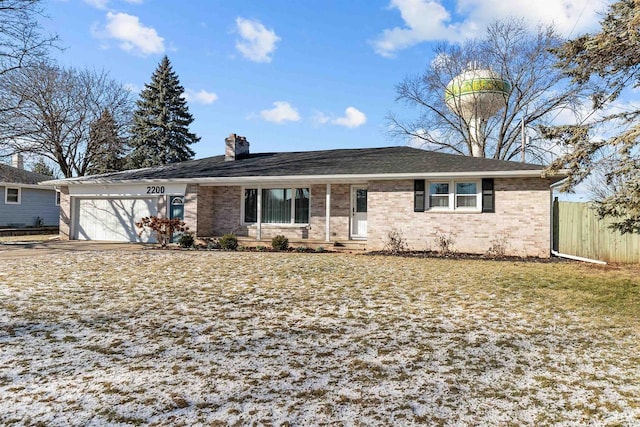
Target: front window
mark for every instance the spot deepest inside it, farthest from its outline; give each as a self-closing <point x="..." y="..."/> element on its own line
<point x="439" y="195"/>
<point x="251" y="205"/>
<point x="455" y="195"/>
<point x="278" y="205"/>
<point x="12" y="196"/>
<point x="57" y="197"/>
<point x="302" y="205"/>
<point x="466" y="195"/>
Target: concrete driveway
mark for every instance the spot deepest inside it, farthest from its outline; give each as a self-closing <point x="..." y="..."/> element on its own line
<point x="30" y="249"/>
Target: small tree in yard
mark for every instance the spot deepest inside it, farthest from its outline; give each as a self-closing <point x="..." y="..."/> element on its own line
<point x="162" y="227"/>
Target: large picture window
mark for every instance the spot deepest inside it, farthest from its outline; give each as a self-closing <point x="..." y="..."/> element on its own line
<point x="278" y="205"/>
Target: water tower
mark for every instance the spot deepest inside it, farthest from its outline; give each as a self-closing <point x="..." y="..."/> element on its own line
<point x="475" y="95"/>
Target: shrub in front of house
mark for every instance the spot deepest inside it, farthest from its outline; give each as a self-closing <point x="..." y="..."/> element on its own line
<point x="280" y="243"/>
<point x="229" y="242"/>
<point x="395" y="242"/>
<point x="163" y="228"/>
<point x="186" y="240"/>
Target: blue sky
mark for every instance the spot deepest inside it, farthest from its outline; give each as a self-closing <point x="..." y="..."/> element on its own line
<point x="289" y="75"/>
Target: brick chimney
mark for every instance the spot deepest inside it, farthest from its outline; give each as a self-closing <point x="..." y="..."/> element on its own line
<point x="235" y="147"/>
<point x="17" y="161"/>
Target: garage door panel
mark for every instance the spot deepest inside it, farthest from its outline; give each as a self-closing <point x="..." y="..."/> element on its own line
<point x="113" y="219"/>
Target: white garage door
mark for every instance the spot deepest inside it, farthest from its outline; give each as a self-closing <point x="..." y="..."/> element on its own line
<point x="113" y="219"/>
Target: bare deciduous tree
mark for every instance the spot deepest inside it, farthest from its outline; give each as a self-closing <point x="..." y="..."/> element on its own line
<point x="56" y="109"/>
<point x="21" y="40"/>
<point x="538" y="93"/>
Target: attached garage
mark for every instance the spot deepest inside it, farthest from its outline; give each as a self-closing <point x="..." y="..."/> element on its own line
<point x="112" y="219"/>
<point x="110" y="213"/>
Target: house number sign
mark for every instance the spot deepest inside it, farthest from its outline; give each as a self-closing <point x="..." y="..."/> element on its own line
<point x="123" y="190"/>
<point x="155" y="189"/>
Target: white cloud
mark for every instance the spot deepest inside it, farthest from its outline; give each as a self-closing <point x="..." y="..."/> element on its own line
<point x="258" y="43"/>
<point x="429" y="20"/>
<point x="424" y="20"/>
<point x="281" y="112"/>
<point x="102" y="4"/>
<point x="201" y="97"/>
<point x="133" y="36"/>
<point x="98" y="4"/>
<point x="321" y="118"/>
<point x="353" y="118"/>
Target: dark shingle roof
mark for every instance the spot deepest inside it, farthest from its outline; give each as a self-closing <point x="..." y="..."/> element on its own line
<point x="389" y="160"/>
<point x="9" y="174"/>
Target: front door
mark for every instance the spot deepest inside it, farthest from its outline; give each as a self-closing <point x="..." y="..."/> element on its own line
<point x="358" y="212"/>
<point x="176" y="210"/>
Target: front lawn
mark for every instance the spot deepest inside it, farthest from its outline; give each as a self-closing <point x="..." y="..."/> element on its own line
<point x="218" y="338"/>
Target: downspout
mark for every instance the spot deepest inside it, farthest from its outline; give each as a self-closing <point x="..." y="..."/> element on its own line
<point x="327" y="215"/>
<point x="556" y="253"/>
<point x="259" y="215"/>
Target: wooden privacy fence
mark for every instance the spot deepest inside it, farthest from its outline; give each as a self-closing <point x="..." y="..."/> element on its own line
<point x="578" y="231"/>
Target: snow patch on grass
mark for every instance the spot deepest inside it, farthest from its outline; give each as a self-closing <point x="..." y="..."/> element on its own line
<point x="262" y="338"/>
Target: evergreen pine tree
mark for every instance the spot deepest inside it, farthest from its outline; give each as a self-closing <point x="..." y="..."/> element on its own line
<point x="160" y="132"/>
<point x="108" y="147"/>
<point x="42" y="168"/>
<point x="611" y="60"/>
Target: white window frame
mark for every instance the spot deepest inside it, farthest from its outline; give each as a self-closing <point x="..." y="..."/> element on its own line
<point x="58" y="197"/>
<point x="6" y="195"/>
<point x="429" y="194"/>
<point x="453" y="196"/>
<point x="291" y="223"/>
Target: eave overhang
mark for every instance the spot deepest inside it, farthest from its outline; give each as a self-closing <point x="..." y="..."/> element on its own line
<point x="313" y="179"/>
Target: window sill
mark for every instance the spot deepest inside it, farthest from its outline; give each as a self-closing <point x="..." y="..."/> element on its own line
<point x="454" y="211"/>
<point x="270" y="225"/>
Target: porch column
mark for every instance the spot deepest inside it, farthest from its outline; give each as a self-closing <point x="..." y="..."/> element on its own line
<point x="259" y="213"/>
<point x="327" y="215"/>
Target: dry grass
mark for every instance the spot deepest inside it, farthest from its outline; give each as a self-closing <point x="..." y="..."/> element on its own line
<point x="265" y="338"/>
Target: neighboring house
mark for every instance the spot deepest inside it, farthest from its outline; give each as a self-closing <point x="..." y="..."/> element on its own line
<point x="331" y="196"/>
<point x="24" y="202"/>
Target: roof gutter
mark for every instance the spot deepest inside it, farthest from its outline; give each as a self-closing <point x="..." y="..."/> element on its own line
<point x="36" y="186"/>
<point x="338" y="178"/>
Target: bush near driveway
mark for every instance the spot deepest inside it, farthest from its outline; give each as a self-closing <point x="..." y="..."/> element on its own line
<point x="273" y="338"/>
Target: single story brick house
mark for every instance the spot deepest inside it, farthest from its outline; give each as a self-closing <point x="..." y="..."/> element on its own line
<point x="25" y="202"/>
<point x="330" y="196"/>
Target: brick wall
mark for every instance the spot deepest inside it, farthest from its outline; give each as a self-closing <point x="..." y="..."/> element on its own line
<point x="191" y="208"/>
<point x="219" y="211"/>
<point x="521" y="221"/>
